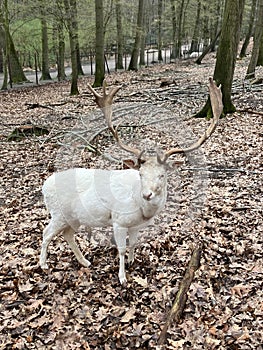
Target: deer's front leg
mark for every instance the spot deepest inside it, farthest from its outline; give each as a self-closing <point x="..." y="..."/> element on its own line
<point x="120" y="234"/>
<point x="133" y="234"/>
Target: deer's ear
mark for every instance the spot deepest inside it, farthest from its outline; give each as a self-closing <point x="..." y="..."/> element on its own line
<point x="174" y="164"/>
<point x="129" y="164"/>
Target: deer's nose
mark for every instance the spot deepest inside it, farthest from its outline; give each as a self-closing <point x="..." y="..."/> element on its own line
<point x="147" y="196"/>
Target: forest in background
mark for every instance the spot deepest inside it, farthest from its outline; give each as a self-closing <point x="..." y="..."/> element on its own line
<point x="70" y="306"/>
<point x="44" y="35"/>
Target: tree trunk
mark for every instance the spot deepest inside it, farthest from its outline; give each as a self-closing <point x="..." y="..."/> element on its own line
<point x="250" y="29"/>
<point x="5" y="64"/>
<point x="257" y="42"/>
<point x="216" y="25"/>
<point x="136" y="48"/>
<point x="208" y="49"/>
<point x="227" y="52"/>
<point x="119" y="63"/>
<point x="178" y="43"/>
<point x="2" y="47"/>
<point x="260" y="54"/>
<point x="174" y="28"/>
<point x="100" y="65"/>
<point x="69" y="7"/>
<point x="45" y="54"/>
<point x="1" y="60"/>
<point x="15" y="69"/>
<point x="195" y="40"/>
<point x="11" y="61"/>
<point x="76" y="33"/>
<point x="160" y="13"/>
<point x="206" y="34"/>
<point x="61" y="52"/>
<point x="142" y="46"/>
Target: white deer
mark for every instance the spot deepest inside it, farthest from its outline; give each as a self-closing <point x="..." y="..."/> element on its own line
<point x="125" y="199"/>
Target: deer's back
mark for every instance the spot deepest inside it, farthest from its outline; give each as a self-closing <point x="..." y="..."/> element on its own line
<point x="93" y="197"/>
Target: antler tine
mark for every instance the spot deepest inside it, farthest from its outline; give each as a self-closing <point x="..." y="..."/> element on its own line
<point x="217" y="108"/>
<point x="104" y="101"/>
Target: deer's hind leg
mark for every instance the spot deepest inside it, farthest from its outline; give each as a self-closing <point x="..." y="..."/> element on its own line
<point x="49" y="233"/>
<point x="68" y="234"/>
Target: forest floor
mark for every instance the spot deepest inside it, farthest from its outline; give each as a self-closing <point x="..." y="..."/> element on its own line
<point x="214" y="197"/>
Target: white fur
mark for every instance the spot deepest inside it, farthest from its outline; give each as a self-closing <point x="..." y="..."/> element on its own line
<point x="124" y="199"/>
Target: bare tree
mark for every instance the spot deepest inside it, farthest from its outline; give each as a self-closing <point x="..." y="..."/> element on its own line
<point x="160" y="12"/>
<point x="45" y="53"/>
<point x="257" y="41"/>
<point x="100" y="66"/>
<point x="118" y="8"/>
<point x="260" y="53"/>
<point x="136" y="47"/>
<point x="71" y="18"/>
<point x="250" y="29"/>
<point x="11" y="61"/>
<point x="226" y="54"/>
<point x="195" y="38"/>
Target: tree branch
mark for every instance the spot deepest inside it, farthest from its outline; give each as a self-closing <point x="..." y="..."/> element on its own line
<point x="181" y="297"/>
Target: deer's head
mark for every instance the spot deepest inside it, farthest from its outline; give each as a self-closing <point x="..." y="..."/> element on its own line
<point x="152" y="169"/>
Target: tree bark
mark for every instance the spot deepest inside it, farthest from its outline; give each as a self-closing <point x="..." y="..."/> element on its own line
<point x="76" y="31"/>
<point x="250" y="29"/>
<point x="119" y="63"/>
<point x="260" y="54"/>
<point x="174" y="27"/>
<point x="100" y="64"/>
<point x="11" y="61"/>
<point x="205" y="34"/>
<point x="45" y="54"/>
<point x="257" y="42"/>
<point x="61" y="52"/>
<point x="142" y="45"/>
<point x="136" y="47"/>
<point x="216" y="25"/>
<point x="226" y="55"/>
<point x="195" y="39"/>
<point x="208" y="49"/>
<point x="178" y="42"/>
<point x="69" y="7"/>
<point x="160" y="13"/>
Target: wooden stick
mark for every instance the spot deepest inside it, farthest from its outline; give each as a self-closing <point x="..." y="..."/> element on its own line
<point x="181" y="297"/>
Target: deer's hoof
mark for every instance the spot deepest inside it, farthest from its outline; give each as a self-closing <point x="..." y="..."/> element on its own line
<point x="44" y="266"/>
<point x="122" y="280"/>
<point x="86" y="263"/>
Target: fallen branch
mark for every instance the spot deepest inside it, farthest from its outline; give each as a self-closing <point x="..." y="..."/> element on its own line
<point x="27" y="130"/>
<point x="37" y="105"/>
<point x="181" y="297"/>
<point x="250" y="111"/>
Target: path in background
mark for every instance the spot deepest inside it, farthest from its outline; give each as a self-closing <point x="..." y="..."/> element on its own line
<point x="151" y="57"/>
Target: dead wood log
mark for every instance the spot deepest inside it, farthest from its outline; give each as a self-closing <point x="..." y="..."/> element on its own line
<point x="26" y="130"/>
<point x="39" y="105"/>
<point x="250" y="111"/>
<point x="181" y="297"/>
<point x="36" y="105"/>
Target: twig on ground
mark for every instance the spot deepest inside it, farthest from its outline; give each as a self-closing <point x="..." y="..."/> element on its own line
<point x="181" y="297"/>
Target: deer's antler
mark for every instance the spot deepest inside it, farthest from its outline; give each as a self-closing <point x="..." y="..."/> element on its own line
<point x="105" y="101"/>
<point x="217" y="108"/>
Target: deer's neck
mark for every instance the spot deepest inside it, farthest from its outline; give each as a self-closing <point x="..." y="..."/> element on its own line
<point x="151" y="208"/>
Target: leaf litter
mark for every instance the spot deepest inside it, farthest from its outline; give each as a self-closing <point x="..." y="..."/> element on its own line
<point x="71" y="307"/>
